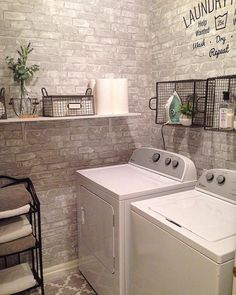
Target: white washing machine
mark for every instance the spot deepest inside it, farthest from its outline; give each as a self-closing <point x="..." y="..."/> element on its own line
<point x="104" y="201"/>
<point x="184" y="244"/>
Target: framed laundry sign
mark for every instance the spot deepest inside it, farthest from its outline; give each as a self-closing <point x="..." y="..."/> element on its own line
<point x="3" y="112"/>
<point x="212" y="23"/>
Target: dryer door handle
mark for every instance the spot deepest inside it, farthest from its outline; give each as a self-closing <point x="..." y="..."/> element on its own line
<point x="82" y="215"/>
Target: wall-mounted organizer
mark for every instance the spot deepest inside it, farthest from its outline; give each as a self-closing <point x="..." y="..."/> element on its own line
<point x="3" y="112"/>
<point x="21" y="265"/>
<point x="67" y="105"/>
<point x="217" y="88"/>
<point x="192" y="91"/>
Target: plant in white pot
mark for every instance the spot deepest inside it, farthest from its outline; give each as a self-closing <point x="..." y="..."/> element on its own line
<point x="23" y="106"/>
<point x="186" y="113"/>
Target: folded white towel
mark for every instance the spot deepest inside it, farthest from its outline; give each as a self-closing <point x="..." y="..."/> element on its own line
<point x="14" y="228"/>
<point x="234" y="278"/>
<point x="15" y="212"/>
<point x="16" y="279"/>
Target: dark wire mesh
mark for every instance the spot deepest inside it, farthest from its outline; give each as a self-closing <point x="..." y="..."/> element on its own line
<point x="193" y="91"/>
<point x="215" y="88"/>
<point x="3" y="113"/>
<point x="67" y="105"/>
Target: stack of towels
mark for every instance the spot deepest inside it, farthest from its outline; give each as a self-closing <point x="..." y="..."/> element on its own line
<point x="15" y="236"/>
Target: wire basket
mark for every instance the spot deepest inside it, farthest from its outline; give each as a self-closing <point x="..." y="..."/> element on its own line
<point x="215" y="88"/>
<point x="193" y="91"/>
<point x="3" y="112"/>
<point x="67" y="105"/>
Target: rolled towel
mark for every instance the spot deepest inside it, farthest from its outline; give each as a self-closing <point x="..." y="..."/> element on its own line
<point x="14" y="196"/>
<point x="15" y="212"/>
<point x="16" y="279"/>
<point x="14" y="228"/>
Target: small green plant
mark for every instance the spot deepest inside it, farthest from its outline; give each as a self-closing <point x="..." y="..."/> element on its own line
<point x="186" y="109"/>
<point x="22" y="72"/>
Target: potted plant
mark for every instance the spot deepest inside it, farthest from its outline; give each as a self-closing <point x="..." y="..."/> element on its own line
<point x="23" y="106"/>
<point x="186" y="112"/>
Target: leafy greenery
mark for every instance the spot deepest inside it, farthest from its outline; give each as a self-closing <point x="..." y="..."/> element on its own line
<point x="186" y="109"/>
<point x="22" y="72"/>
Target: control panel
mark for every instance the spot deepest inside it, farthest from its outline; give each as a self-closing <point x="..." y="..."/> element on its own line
<point x="171" y="164"/>
<point x="220" y="182"/>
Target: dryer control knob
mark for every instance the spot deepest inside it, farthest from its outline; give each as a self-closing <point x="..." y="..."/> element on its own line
<point x="167" y="161"/>
<point x="156" y="157"/>
<point x="175" y="164"/>
<point x="209" y="177"/>
<point x="221" y="179"/>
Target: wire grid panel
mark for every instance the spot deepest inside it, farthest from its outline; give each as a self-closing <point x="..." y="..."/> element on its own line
<point x="193" y="91"/>
<point x="3" y="113"/>
<point x="66" y="105"/>
<point x="216" y="87"/>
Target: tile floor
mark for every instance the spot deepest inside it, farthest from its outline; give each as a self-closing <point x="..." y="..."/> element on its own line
<point x="69" y="283"/>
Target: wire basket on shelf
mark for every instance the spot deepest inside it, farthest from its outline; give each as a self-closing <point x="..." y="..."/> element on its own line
<point x="67" y="105"/>
<point x="3" y="112"/>
<point x="189" y="91"/>
<point x="215" y="92"/>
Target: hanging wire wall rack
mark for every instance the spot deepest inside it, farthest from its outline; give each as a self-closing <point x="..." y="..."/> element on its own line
<point x="192" y="91"/>
<point x="215" y="92"/>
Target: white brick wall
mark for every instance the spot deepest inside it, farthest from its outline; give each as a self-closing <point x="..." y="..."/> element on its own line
<point x="74" y="41"/>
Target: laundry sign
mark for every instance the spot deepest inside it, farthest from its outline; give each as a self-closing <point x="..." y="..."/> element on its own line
<point x="211" y="21"/>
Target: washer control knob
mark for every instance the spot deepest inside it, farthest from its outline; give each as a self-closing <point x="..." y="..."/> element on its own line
<point x="209" y="177"/>
<point x="156" y="157"/>
<point x="167" y="161"/>
<point x="221" y="179"/>
<point x="175" y="164"/>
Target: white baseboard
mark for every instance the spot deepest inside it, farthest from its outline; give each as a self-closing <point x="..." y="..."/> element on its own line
<point x="53" y="270"/>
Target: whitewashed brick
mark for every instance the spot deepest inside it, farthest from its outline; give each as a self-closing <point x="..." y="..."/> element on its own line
<point x="14" y="15"/>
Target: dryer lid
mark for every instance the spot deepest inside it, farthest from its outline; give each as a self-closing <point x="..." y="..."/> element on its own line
<point x="205" y="216"/>
<point x="124" y="180"/>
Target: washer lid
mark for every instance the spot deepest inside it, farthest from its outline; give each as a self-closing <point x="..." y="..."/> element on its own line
<point x="205" y="216"/>
<point x="128" y="179"/>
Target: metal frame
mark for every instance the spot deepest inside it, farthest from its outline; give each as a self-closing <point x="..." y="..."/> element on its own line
<point x="35" y="219"/>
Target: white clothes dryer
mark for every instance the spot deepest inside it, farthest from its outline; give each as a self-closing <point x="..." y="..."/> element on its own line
<point x="104" y="199"/>
<point x="185" y="243"/>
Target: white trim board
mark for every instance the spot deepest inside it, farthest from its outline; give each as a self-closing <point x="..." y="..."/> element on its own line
<point x="43" y="119"/>
<point x="59" y="268"/>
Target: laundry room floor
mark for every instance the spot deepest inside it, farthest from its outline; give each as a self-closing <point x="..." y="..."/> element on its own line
<point x="69" y="283"/>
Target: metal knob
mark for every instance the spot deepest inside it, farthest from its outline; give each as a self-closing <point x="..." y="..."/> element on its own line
<point x="167" y="161"/>
<point x="221" y="179"/>
<point x="156" y="157"/>
<point x="175" y="164"/>
<point x="209" y="177"/>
